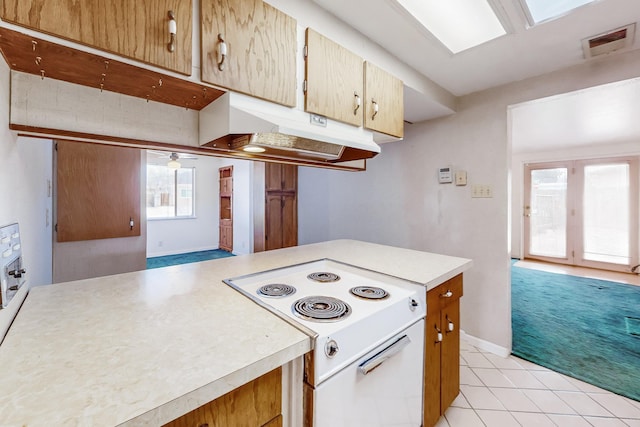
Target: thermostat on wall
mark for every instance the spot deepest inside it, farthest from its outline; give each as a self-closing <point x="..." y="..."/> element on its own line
<point x="445" y="175"/>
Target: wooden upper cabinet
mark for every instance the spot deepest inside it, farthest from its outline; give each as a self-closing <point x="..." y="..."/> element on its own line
<point x="384" y="93"/>
<point x="260" y="43"/>
<point x="137" y="29"/>
<point x="334" y="80"/>
<point x="97" y="191"/>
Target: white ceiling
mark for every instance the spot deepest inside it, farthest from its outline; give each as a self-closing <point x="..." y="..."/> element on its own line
<point x="524" y="52"/>
<point x="599" y="115"/>
<point x="581" y="118"/>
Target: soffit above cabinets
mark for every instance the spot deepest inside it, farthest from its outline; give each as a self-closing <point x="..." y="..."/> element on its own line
<point x="51" y="60"/>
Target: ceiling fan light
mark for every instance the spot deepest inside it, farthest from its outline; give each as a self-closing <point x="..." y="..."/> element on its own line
<point x="173" y="164"/>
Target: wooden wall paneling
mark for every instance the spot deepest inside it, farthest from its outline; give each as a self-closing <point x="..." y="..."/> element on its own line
<point x="261" y="48"/>
<point x="387" y="91"/>
<point x="75" y="66"/>
<point x="98" y="191"/>
<point x="334" y="75"/>
<point x="137" y="29"/>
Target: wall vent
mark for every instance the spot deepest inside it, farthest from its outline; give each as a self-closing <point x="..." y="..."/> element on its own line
<point x="611" y="41"/>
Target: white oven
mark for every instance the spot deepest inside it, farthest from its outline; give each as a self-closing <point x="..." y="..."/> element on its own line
<point x="366" y="368"/>
<point x="381" y="388"/>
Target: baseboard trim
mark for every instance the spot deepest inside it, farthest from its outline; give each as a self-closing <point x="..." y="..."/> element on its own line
<point x="485" y="345"/>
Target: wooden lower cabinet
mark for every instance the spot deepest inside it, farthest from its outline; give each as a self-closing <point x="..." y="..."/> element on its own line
<point x="255" y="404"/>
<point x="442" y="349"/>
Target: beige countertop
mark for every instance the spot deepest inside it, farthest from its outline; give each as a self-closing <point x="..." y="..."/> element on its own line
<point x="143" y="348"/>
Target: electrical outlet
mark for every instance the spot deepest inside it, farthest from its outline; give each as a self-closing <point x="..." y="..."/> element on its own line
<point x="481" y="191"/>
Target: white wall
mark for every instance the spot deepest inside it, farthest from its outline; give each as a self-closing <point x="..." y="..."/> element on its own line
<point x="176" y="236"/>
<point x="398" y="201"/>
<point x="25" y="173"/>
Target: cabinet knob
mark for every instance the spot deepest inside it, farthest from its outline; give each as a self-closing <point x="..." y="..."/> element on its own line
<point x="222" y="51"/>
<point x="439" y="336"/>
<point x="375" y="109"/>
<point x="172" y="31"/>
<point x="356" y="99"/>
<point x="447" y="294"/>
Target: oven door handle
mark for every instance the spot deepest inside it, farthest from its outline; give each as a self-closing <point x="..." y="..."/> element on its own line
<point x="370" y="364"/>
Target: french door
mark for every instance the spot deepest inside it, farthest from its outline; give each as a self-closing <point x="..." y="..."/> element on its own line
<point x="583" y="213"/>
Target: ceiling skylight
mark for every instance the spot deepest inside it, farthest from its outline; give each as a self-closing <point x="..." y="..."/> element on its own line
<point x="458" y="24"/>
<point x="545" y="10"/>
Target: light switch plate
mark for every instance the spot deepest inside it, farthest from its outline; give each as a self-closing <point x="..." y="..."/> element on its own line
<point x="461" y="177"/>
<point x="481" y="191"/>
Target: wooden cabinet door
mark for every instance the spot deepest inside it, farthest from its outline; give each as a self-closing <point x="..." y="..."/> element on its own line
<point x="226" y="186"/>
<point x="281" y="228"/>
<point x="97" y="191"/>
<point x="226" y="236"/>
<point x="334" y="80"/>
<point x="450" y="365"/>
<point x="260" y="48"/>
<point x="273" y="222"/>
<point x="281" y="177"/>
<point x="137" y="29"/>
<point x="257" y="403"/>
<point x="385" y="91"/>
<point x="432" y="360"/>
<point x="289" y="220"/>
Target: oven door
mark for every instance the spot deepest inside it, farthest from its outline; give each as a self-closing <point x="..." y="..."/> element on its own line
<point x="382" y="388"/>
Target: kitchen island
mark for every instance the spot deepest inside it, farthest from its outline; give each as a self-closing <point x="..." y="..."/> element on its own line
<point x="145" y="347"/>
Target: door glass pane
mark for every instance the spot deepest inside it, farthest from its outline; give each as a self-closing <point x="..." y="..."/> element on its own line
<point x="548" y="221"/>
<point x="606" y="213"/>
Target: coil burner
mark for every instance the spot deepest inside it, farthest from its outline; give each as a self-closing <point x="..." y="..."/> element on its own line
<point x="276" y="290"/>
<point x="321" y="309"/>
<point x="323" y="277"/>
<point x="369" y="292"/>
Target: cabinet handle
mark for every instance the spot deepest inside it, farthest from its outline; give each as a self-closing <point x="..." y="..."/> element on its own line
<point x="375" y="109"/>
<point x="439" y="336"/>
<point x="222" y="50"/>
<point x="357" y="102"/>
<point x="447" y="294"/>
<point x="172" y="31"/>
<point x="450" y="325"/>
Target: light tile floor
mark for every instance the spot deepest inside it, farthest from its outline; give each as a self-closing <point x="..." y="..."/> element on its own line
<point x="504" y="392"/>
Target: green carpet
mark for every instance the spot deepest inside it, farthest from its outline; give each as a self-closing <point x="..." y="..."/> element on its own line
<point x="586" y="328"/>
<point x="164" y="261"/>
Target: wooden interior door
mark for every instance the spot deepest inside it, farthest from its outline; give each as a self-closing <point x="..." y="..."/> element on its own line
<point x="98" y="191"/>
<point x="334" y="80"/>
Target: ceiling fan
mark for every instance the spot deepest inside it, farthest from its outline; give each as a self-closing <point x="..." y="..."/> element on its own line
<point x="174" y="157"/>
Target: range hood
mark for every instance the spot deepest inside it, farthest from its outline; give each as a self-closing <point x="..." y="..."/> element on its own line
<point x="242" y="126"/>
